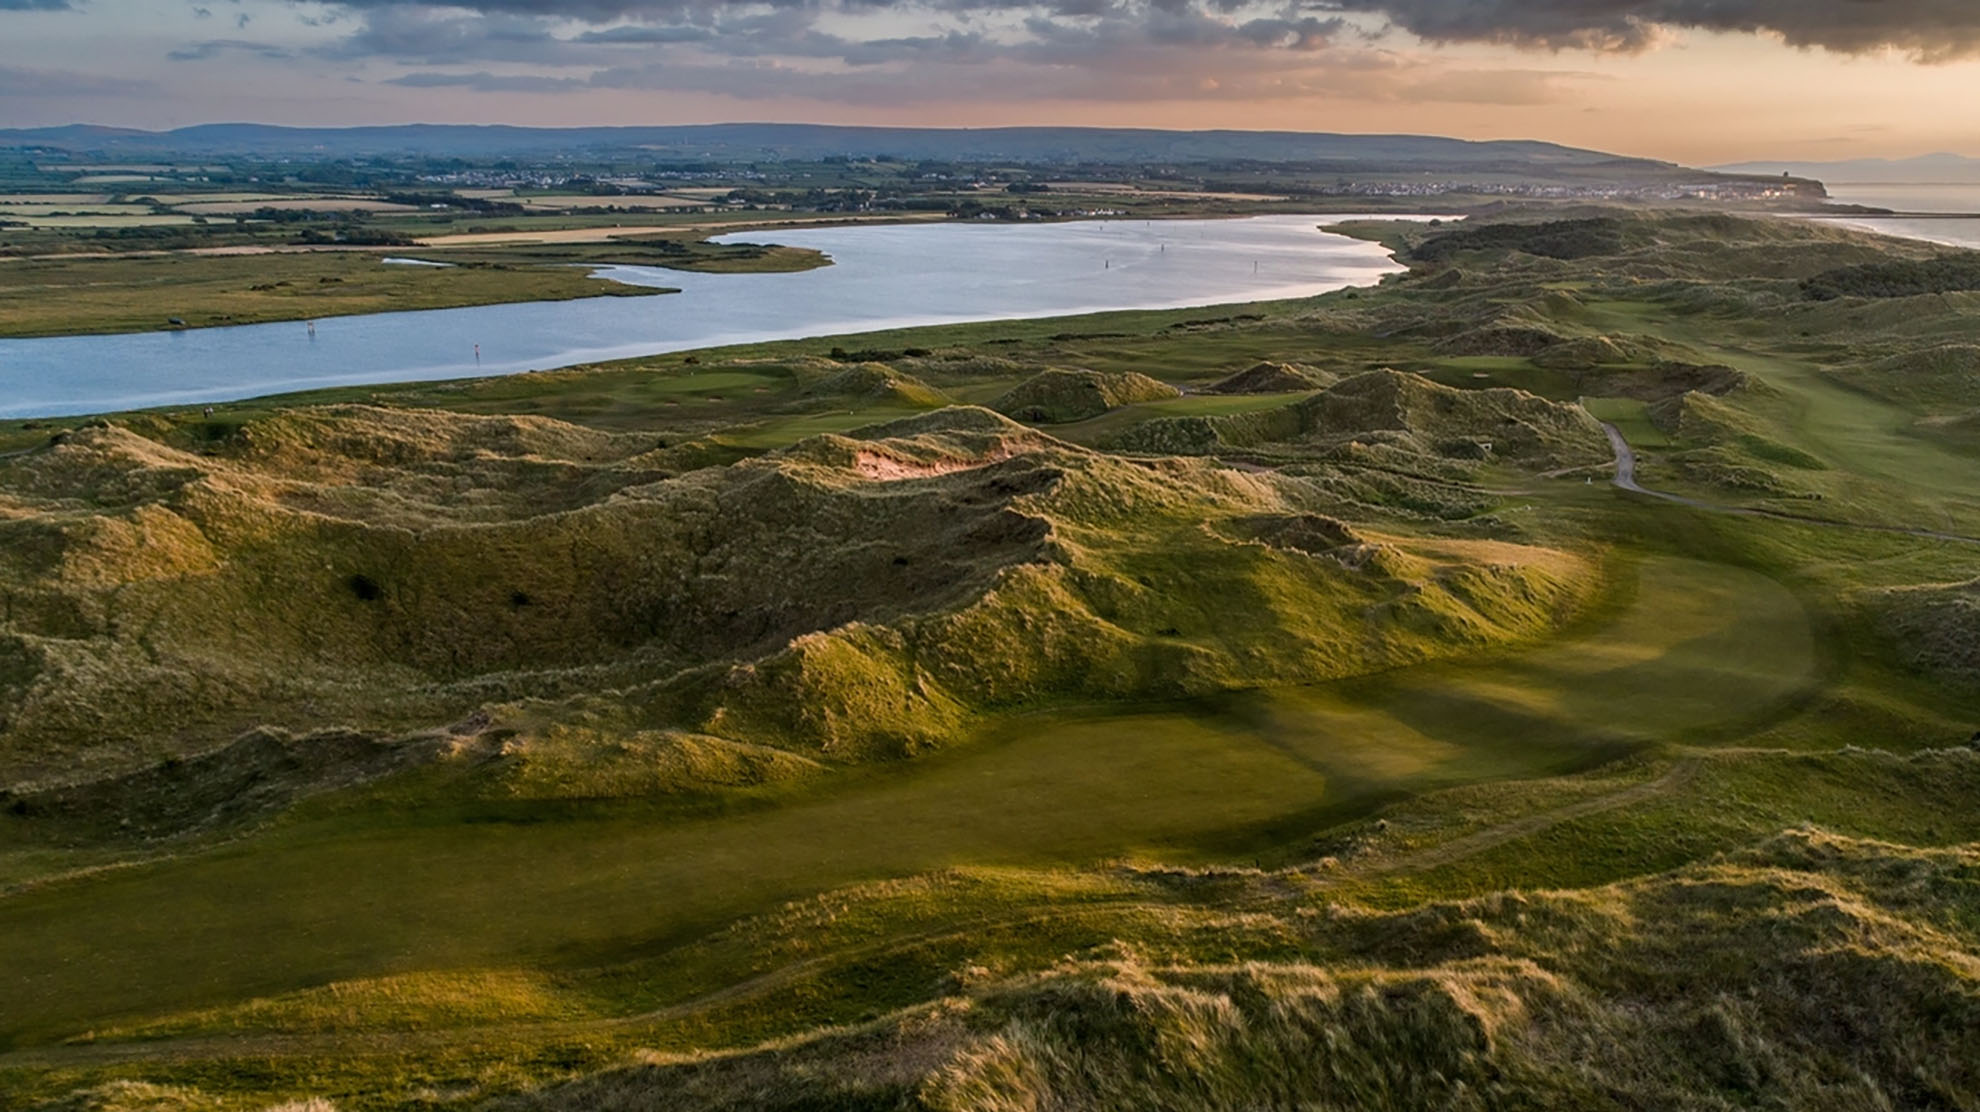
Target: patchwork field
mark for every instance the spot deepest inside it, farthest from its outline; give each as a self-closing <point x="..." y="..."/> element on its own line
<point x="295" y="204"/>
<point x="565" y="201"/>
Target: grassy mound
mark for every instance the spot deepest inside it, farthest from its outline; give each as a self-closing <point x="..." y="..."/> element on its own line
<point x="1511" y="336"/>
<point x="1666" y="379"/>
<point x="1810" y="971"/>
<point x="1613" y="351"/>
<point x="1933" y="630"/>
<point x="1655" y="246"/>
<point x="223" y="588"/>
<point x="1202" y="435"/>
<point x="1061" y="395"/>
<point x="1583" y="353"/>
<point x="879" y="382"/>
<point x="1908" y="278"/>
<point x="1390" y="414"/>
<point x="1553" y="239"/>
<point x="1314" y="534"/>
<point x="1503" y="424"/>
<point x="1131" y="599"/>
<point x="1271" y="378"/>
<point x="851" y="597"/>
<point x="260" y="772"/>
<point x="1937" y="378"/>
<point x="1699" y="418"/>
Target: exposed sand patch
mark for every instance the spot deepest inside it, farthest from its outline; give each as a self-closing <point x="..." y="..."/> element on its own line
<point x="882" y="467"/>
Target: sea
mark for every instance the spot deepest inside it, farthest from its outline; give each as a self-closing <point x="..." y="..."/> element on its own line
<point x="1940" y="212"/>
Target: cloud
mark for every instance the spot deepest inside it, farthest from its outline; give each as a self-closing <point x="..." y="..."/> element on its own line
<point x="586" y="11"/>
<point x="930" y="73"/>
<point x="890" y="52"/>
<point x="950" y="51"/>
<point x="1926" y="30"/>
<point x="213" y="48"/>
<point x="490" y="82"/>
<point x="435" y="36"/>
<point x="36" y="6"/>
<point x="641" y="35"/>
<point x="853" y="34"/>
<point x="25" y="83"/>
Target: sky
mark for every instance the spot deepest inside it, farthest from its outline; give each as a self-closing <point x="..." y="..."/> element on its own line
<point x="1694" y="81"/>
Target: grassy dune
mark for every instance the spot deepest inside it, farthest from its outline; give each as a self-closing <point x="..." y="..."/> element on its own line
<point x="770" y="728"/>
<point x="1197" y="782"/>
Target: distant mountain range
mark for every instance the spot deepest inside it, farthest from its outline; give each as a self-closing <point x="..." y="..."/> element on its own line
<point x="1951" y="169"/>
<point x="745" y="142"/>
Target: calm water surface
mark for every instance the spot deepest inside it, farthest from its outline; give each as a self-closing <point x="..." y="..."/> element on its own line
<point x="1918" y="197"/>
<point x="884" y="277"/>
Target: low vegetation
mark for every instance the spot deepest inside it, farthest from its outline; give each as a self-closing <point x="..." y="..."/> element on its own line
<point x="1150" y="710"/>
<point x="70" y="294"/>
<point x="64" y="296"/>
<point x="1952" y="274"/>
<point x="1058" y="396"/>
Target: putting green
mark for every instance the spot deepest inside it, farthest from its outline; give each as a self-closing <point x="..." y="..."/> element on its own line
<point x="1700" y="648"/>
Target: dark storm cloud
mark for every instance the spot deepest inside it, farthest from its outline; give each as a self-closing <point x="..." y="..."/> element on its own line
<point x="1929" y="30"/>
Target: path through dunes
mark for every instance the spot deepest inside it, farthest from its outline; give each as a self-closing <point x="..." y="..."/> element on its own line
<point x="1625" y="479"/>
<point x="374" y="891"/>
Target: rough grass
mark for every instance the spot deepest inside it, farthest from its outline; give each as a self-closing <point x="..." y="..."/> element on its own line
<point x="1058" y="396"/>
<point x="1190" y="783"/>
<point x="1391" y="419"/>
<point x="1810" y="970"/>
<point x="672" y="252"/>
<point x="67" y="296"/>
<point x="1271" y="378"/>
<point x="941" y="567"/>
<point x="1586" y="824"/>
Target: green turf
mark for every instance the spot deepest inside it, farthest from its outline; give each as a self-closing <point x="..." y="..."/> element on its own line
<point x="1744" y="748"/>
<point x="1226" y="778"/>
<point x="1632" y="417"/>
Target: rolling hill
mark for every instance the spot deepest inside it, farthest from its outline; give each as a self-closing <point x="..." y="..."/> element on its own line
<point x="742" y="142"/>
